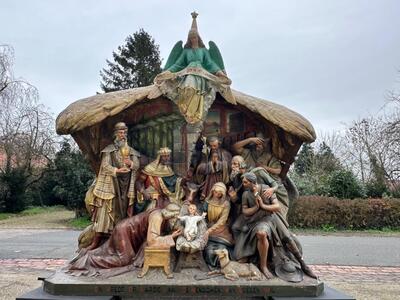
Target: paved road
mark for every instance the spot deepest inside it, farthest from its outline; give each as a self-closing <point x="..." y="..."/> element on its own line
<point x="37" y="243"/>
<point x="351" y="250"/>
<point x="338" y="250"/>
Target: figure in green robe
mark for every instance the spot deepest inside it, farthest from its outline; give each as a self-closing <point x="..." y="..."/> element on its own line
<point x="192" y="76"/>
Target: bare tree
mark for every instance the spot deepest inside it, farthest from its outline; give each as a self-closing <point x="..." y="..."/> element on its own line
<point x="393" y="122"/>
<point x="337" y="142"/>
<point x="392" y="135"/>
<point x="26" y="128"/>
<point x="374" y="148"/>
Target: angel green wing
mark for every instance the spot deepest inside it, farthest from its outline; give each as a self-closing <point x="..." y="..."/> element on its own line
<point x="216" y="55"/>
<point x="173" y="56"/>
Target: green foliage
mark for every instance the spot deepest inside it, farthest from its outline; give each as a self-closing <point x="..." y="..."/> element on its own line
<point x="395" y="192"/>
<point x="36" y="210"/>
<point x="357" y="214"/>
<point x="80" y="222"/>
<point x="13" y="183"/>
<point x="31" y="211"/>
<point x="313" y="170"/>
<point x="376" y="186"/>
<point x="4" y="216"/>
<point x="328" y="228"/>
<point x="375" y="189"/>
<point x="311" y="184"/>
<point x="67" y="179"/>
<point x="136" y="63"/>
<point x="304" y="162"/>
<point x="326" y="160"/>
<point x="320" y="173"/>
<point x="344" y="185"/>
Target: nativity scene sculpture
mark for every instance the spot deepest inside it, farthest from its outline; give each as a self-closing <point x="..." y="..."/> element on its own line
<point x="216" y="186"/>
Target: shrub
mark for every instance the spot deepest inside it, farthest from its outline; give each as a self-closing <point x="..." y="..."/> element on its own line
<point x="311" y="184"/>
<point x="375" y="189"/>
<point x="13" y="196"/>
<point x="344" y="185"/>
<point x="324" y="212"/>
<point x="67" y="180"/>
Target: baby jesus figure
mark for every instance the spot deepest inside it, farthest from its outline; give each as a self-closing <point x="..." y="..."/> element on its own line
<point x="191" y="229"/>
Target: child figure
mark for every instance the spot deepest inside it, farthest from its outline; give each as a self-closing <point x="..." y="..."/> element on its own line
<point x="191" y="220"/>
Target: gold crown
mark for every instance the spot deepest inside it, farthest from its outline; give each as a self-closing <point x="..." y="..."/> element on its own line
<point x="164" y="151"/>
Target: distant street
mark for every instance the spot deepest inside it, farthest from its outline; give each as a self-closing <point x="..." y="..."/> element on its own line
<point x="351" y="250"/>
<point x="338" y="250"/>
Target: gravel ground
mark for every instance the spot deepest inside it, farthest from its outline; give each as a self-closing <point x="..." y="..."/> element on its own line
<point x="15" y="282"/>
<point x="368" y="291"/>
<point x="52" y="220"/>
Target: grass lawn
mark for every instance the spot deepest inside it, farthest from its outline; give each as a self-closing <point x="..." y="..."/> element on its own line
<point x="35" y="210"/>
<point x="4" y="216"/>
<point x="39" y="217"/>
<point x="80" y="223"/>
<point x="53" y="216"/>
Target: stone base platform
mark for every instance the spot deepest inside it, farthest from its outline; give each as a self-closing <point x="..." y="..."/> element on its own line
<point x="39" y="294"/>
<point x="155" y="285"/>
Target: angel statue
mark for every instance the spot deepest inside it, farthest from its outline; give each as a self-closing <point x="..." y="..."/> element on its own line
<point x="192" y="76"/>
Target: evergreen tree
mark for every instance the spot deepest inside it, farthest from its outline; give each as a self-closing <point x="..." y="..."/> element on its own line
<point x="67" y="179"/>
<point x="304" y="161"/>
<point x="135" y="64"/>
<point x="13" y="187"/>
<point x="313" y="169"/>
<point x="376" y="186"/>
<point x="326" y="160"/>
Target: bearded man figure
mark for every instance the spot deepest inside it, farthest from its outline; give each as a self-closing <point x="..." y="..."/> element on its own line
<point x="215" y="167"/>
<point x="112" y="196"/>
<point x="259" y="155"/>
<point x="158" y="184"/>
<point x="260" y="161"/>
<point x="236" y="189"/>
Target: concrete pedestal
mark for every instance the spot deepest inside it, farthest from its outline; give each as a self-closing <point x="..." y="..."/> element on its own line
<point x="183" y="286"/>
<point x="39" y="294"/>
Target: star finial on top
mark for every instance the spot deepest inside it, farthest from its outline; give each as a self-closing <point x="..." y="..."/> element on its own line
<point x="194" y="14"/>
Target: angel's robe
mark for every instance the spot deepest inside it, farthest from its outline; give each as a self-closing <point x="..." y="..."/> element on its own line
<point x="198" y="57"/>
<point x="193" y="90"/>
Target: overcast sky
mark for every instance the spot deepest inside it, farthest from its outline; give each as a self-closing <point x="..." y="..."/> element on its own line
<point x="331" y="61"/>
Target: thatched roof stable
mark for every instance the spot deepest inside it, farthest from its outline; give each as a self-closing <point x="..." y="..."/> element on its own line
<point x="90" y="120"/>
<point x="93" y="110"/>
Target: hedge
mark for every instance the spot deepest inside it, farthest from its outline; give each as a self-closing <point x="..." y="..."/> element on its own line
<point x="319" y="211"/>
